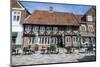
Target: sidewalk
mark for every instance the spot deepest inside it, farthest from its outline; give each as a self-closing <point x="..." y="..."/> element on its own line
<point x="49" y="58"/>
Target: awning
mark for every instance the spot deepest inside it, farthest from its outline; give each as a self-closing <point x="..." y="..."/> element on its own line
<point x="14" y="34"/>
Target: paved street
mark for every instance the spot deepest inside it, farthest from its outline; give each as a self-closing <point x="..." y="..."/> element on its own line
<point x="50" y="58"/>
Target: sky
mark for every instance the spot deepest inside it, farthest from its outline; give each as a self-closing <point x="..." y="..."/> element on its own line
<point x="67" y="8"/>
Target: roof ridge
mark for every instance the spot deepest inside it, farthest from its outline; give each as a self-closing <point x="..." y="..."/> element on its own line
<point x="54" y="12"/>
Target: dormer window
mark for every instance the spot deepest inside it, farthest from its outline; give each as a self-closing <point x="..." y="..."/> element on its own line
<point x="51" y="9"/>
<point x="89" y="18"/>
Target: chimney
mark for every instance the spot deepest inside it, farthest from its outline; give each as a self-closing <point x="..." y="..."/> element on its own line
<point x="51" y="9"/>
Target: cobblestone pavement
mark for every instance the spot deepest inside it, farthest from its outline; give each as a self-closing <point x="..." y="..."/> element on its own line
<point x="47" y="58"/>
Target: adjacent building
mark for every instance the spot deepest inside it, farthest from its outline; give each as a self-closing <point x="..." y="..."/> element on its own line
<point x="88" y="27"/>
<point x="18" y="16"/>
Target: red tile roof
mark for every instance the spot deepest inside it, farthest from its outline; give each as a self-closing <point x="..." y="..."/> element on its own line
<point x="54" y="18"/>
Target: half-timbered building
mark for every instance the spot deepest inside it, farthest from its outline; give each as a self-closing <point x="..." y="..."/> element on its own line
<point x="50" y="24"/>
<point x="88" y="27"/>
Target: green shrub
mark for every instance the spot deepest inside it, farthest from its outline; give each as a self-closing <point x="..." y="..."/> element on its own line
<point x="36" y="47"/>
<point x="52" y="47"/>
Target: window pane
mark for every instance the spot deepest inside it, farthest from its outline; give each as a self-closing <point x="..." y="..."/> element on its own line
<point x="14" y="18"/>
<point x="17" y="18"/>
<point x="35" y="28"/>
<point x="74" y="39"/>
<point x="83" y="28"/>
<point x="55" y="28"/>
<point x="42" y="40"/>
<point x="16" y="15"/>
<point x="48" y="28"/>
<point x="42" y="28"/>
<point x="89" y="18"/>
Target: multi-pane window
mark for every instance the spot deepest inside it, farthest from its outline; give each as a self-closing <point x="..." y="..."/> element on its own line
<point x="45" y="40"/>
<point x="28" y="28"/>
<point x="83" y="28"/>
<point x="68" y="39"/>
<point x="89" y="18"/>
<point x="54" y="40"/>
<point x="48" y="28"/>
<point x="90" y="28"/>
<point x="74" y="39"/>
<point x="42" y="28"/>
<point x="35" y="28"/>
<point x="16" y="15"/>
<point x="68" y="28"/>
<point x="55" y="28"/>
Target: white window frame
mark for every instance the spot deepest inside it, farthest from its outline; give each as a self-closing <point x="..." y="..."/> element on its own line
<point x="68" y="28"/>
<point x="48" y="28"/>
<point x="16" y="13"/>
<point x="74" y="39"/>
<point x="28" y="27"/>
<point x="55" y="28"/>
<point x="42" y="28"/>
<point x="90" y="28"/>
<point x="35" y="28"/>
<point x="83" y="28"/>
<point x="68" y="39"/>
<point x="89" y="18"/>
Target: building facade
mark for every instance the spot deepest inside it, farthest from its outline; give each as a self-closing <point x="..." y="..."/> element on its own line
<point x="51" y="26"/>
<point x="88" y="27"/>
<point x="18" y="16"/>
<point x="57" y="28"/>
